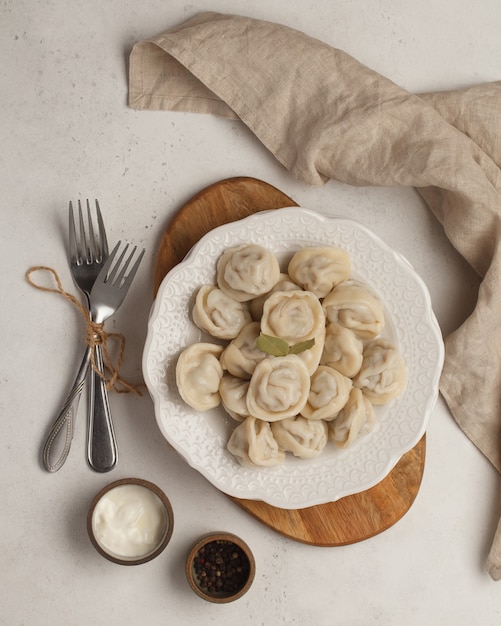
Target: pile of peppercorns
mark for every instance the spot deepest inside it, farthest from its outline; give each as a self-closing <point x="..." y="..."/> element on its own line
<point x="221" y="566"/>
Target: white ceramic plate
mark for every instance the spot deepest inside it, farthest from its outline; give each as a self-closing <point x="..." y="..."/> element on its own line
<point x="201" y="437"/>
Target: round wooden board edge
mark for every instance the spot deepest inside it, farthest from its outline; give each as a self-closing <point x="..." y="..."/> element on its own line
<point x="290" y="522"/>
<point x="172" y="248"/>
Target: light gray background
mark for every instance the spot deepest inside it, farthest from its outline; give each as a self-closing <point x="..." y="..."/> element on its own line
<point x="67" y="133"/>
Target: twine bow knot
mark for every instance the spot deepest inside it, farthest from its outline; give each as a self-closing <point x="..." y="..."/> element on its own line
<point x="94" y="335"/>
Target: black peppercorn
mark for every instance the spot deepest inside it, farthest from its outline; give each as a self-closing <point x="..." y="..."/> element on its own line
<point x="221" y="566"/>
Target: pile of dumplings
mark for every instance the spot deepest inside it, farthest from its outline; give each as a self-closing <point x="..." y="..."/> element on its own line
<point x="294" y="402"/>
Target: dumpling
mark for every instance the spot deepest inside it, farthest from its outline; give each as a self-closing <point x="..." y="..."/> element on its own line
<point x="247" y="271"/>
<point x="284" y="284"/>
<point x="355" y="306"/>
<point x="253" y="443"/>
<point x="218" y="314"/>
<point x="329" y="392"/>
<point x="311" y="356"/>
<point x="342" y="350"/>
<point x="305" y="438"/>
<point x="241" y="355"/>
<point x="233" y="392"/>
<point x="278" y="388"/>
<point x="292" y="315"/>
<point x="319" y="270"/>
<point x="198" y="375"/>
<point x="383" y="374"/>
<point x="356" y="418"/>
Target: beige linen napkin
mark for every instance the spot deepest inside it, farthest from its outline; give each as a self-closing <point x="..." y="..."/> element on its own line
<point x="324" y="115"/>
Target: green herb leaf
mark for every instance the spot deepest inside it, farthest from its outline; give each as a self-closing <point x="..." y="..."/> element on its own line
<point x="302" y="346"/>
<point x="276" y="346"/>
<point x="272" y="345"/>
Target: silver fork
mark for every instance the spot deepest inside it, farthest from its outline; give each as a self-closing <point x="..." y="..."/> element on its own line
<point x="87" y="253"/>
<point x="106" y="296"/>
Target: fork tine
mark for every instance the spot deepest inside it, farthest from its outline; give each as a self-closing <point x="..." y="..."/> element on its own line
<point x="132" y="273"/>
<point x="120" y="277"/>
<point x="112" y="274"/>
<point x="73" y="235"/>
<point x="92" y="243"/>
<point x="102" y="232"/>
<point x="108" y="262"/>
<point x="83" y="252"/>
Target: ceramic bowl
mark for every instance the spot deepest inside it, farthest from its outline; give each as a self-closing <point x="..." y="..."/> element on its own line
<point x="201" y="437"/>
<point x="220" y="567"/>
<point x="130" y="521"/>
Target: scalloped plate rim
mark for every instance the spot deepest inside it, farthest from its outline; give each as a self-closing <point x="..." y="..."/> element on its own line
<point x="281" y="501"/>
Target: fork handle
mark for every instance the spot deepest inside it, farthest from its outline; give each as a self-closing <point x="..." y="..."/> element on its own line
<point x="61" y="432"/>
<point x="102" y="451"/>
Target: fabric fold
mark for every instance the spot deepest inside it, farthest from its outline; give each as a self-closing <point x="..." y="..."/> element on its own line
<point x="324" y="115"/>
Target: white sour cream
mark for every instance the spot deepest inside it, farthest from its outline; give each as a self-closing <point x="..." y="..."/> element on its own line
<point x="129" y="521"/>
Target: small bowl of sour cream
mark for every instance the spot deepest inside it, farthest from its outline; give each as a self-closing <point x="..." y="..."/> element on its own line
<point x="130" y="521"/>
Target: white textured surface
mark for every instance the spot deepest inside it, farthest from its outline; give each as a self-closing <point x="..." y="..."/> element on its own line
<point x="66" y="133"/>
<point x="410" y="325"/>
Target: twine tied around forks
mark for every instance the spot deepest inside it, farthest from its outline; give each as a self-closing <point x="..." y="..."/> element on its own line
<point x="94" y="335"/>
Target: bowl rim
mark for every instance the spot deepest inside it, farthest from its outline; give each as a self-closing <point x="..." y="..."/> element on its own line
<point x="169" y="514"/>
<point x="253" y="484"/>
<point x="219" y="597"/>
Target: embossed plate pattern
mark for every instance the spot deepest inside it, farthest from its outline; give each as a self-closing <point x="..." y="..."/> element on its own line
<point x="201" y="437"/>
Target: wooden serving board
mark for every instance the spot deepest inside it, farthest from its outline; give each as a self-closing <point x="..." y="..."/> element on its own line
<point x="350" y="519"/>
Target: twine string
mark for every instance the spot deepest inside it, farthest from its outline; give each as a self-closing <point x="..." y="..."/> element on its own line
<point x="94" y="335"/>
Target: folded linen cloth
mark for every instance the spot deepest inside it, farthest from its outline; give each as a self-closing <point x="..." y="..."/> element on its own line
<point x="324" y="115"/>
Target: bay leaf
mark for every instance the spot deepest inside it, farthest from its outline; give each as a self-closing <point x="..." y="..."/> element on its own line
<point x="297" y="348"/>
<point x="272" y="345"/>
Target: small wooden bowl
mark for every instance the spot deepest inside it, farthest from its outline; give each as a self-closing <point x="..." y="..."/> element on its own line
<point x="224" y="553"/>
<point x="155" y="497"/>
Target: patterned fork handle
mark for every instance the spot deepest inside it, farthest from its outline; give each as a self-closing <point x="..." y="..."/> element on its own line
<point x="58" y="443"/>
<point x="102" y="452"/>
